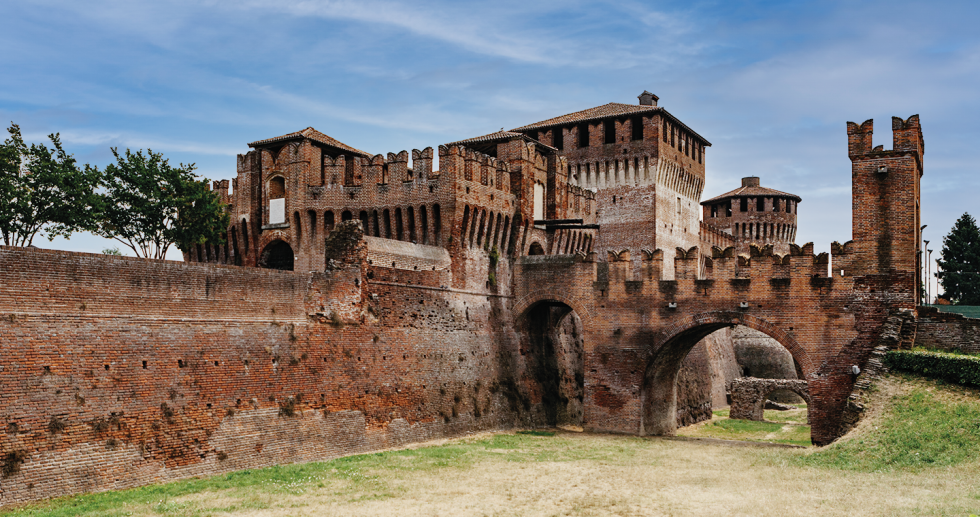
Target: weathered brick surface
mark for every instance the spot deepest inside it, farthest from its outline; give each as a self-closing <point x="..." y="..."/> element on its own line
<point x="159" y="370"/>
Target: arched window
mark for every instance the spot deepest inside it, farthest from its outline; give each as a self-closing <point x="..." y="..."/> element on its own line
<point x="374" y="223"/>
<point x="245" y="241"/>
<point x="424" y="222"/>
<point x="299" y="227"/>
<point x="312" y="215"/>
<point x="410" y="215"/>
<point x="387" y="218"/>
<point x="466" y="221"/>
<point x="399" y="229"/>
<point x="346" y="216"/>
<point x="328" y="221"/>
<point x="437" y="225"/>
<point x="365" y="222"/>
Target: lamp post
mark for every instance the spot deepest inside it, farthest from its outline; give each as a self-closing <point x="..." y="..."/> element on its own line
<point x="928" y="269"/>
<point x="924" y="266"/>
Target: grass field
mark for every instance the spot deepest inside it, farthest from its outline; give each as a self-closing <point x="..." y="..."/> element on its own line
<point x="916" y="454"/>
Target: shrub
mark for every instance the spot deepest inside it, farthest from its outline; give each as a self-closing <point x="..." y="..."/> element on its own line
<point x="953" y="368"/>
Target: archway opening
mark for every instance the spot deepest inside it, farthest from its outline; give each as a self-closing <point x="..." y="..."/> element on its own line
<point x="660" y="393"/>
<point x="554" y="376"/>
<point x="536" y="249"/>
<point x="277" y="255"/>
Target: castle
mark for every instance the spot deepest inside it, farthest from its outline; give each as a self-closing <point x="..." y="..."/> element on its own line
<point x="558" y="273"/>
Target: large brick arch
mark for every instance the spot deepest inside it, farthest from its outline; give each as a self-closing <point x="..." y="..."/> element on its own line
<point x="671" y="344"/>
<point x="726" y="319"/>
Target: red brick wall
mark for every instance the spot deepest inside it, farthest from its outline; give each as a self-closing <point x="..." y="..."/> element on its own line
<point x="119" y="372"/>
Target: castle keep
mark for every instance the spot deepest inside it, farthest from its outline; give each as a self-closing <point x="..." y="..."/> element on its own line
<point x="557" y="273"/>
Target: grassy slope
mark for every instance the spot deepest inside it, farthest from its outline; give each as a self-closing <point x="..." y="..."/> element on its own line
<point x="918" y="424"/>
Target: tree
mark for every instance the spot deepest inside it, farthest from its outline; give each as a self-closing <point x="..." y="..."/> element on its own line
<point x="150" y="206"/>
<point x="43" y="191"/>
<point x="960" y="262"/>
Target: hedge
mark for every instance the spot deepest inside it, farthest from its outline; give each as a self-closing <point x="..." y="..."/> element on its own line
<point x="952" y="368"/>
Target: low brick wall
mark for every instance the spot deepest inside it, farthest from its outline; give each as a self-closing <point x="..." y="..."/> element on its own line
<point x="947" y="331"/>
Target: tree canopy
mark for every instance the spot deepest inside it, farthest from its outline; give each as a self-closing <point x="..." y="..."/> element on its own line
<point x="150" y="205"/>
<point x="43" y="190"/>
<point x="960" y="262"/>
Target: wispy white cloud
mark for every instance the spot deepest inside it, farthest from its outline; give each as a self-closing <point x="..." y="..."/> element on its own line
<point x="134" y="141"/>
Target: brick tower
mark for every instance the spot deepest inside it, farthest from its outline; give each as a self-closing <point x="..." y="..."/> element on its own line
<point x="885" y="197"/>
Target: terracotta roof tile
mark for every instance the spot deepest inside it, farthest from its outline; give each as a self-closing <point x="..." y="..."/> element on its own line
<point x="314" y="135"/>
<point x="482" y="143"/>
<point x="752" y="192"/>
<point x="613" y="109"/>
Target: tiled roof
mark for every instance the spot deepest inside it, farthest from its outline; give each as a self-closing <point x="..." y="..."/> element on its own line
<point x="499" y="136"/>
<point x="314" y="135"/>
<point x="485" y="143"/>
<point x="752" y="192"/>
<point x="613" y="109"/>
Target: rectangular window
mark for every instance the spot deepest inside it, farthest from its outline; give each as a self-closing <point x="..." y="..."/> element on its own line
<point x="744" y="202"/>
<point x="609" y="131"/>
<point x="636" y="128"/>
<point x="559" y="138"/>
<point x="760" y="204"/>
<point x="583" y="135"/>
<point x="678" y="205"/>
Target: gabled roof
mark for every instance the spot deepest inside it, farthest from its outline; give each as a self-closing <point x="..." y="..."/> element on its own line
<point x="313" y="135"/>
<point x="487" y="144"/>
<point x="752" y="192"/>
<point x="611" y="110"/>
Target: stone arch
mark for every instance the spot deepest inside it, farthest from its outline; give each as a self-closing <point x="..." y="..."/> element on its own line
<point x="535" y="249"/>
<point x="749" y="395"/>
<point x="278" y="254"/>
<point x="667" y="349"/>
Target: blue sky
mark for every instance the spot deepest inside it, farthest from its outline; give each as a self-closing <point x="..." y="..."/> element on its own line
<point x="770" y="84"/>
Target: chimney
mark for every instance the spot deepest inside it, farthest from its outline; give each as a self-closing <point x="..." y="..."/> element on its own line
<point x="648" y="99"/>
<point x="751" y="181"/>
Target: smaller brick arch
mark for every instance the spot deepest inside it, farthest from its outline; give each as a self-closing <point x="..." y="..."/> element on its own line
<point x="278" y="254"/>
<point x="528" y="301"/>
<point x="749" y="395"/>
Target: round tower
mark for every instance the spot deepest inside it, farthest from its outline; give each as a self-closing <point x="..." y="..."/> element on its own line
<point x="754" y="214"/>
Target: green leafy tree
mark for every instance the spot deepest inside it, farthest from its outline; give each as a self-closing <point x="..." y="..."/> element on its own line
<point x="43" y="190"/>
<point x="151" y="206"/>
<point x="960" y="262"/>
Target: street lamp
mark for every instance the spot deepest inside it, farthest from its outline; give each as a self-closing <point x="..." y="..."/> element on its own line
<point x="928" y="268"/>
<point x="925" y="269"/>
<point x="924" y="266"/>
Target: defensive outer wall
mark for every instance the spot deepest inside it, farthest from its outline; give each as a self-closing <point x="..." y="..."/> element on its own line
<point x="119" y="372"/>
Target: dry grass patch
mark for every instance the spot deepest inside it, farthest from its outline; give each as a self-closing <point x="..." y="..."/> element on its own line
<point x="574" y="474"/>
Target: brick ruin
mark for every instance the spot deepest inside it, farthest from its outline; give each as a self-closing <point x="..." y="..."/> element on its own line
<point x="558" y="273"/>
